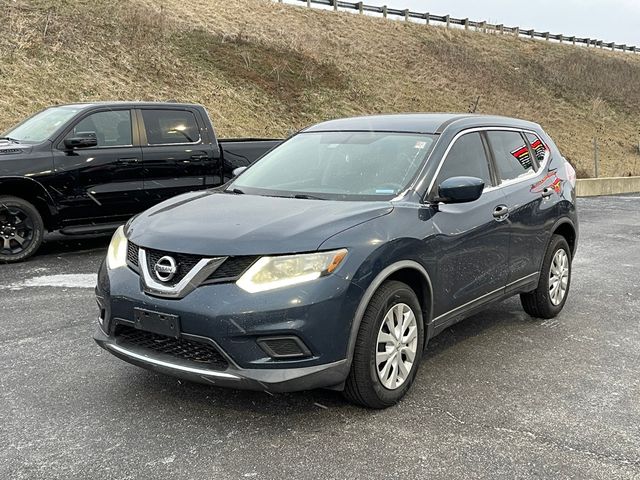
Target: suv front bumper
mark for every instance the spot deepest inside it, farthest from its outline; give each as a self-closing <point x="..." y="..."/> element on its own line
<point x="271" y="380"/>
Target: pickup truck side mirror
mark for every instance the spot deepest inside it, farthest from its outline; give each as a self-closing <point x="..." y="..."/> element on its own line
<point x="238" y="171"/>
<point x="460" y="190"/>
<point x="80" y="142"/>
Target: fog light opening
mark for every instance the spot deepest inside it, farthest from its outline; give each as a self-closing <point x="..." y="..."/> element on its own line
<point x="287" y="347"/>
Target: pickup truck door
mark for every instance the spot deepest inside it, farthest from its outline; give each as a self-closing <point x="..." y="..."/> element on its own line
<point x="101" y="184"/>
<point x="176" y="154"/>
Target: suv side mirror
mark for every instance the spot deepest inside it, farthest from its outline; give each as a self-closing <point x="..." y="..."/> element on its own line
<point x="238" y="171"/>
<point x="80" y="142"/>
<point x="460" y="190"/>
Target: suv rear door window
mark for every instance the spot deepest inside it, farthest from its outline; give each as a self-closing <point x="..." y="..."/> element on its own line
<point x="511" y="154"/>
<point x="467" y="158"/>
<point x="170" y="127"/>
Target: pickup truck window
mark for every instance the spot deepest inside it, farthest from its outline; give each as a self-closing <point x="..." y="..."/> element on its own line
<point x="338" y="165"/>
<point x="111" y="128"/>
<point x="42" y="125"/>
<point x="166" y="127"/>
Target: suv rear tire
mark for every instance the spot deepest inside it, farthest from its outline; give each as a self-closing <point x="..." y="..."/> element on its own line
<point x="548" y="299"/>
<point x="21" y="229"/>
<point x="388" y="347"/>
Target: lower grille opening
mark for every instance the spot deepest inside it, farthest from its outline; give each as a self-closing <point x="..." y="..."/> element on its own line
<point x="284" y="347"/>
<point x="201" y="354"/>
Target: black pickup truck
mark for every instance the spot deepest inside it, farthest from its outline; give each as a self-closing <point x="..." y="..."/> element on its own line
<point x="86" y="168"/>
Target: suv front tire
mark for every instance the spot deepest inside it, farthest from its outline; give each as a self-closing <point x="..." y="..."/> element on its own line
<point x="388" y="347"/>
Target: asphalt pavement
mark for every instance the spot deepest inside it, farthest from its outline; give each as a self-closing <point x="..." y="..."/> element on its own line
<point x="499" y="395"/>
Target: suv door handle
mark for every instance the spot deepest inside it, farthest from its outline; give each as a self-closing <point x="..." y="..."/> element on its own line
<point x="199" y="157"/>
<point x="501" y="213"/>
<point x="128" y="161"/>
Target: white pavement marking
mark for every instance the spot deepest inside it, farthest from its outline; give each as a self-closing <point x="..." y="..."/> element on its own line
<point x="75" y="280"/>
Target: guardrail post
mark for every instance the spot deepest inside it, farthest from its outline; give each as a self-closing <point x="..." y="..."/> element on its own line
<point x="426" y="18"/>
<point x="532" y="33"/>
<point x="613" y="46"/>
<point x="483" y="27"/>
<point x="466" y="23"/>
<point x="309" y="3"/>
<point x="384" y="11"/>
<point x="633" y="49"/>
<point x="624" y="48"/>
<point x="573" y="40"/>
<point x="501" y="29"/>
<point x="595" y="154"/>
<point x="560" y="37"/>
<point x="406" y="14"/>
<point x="516" y="31"/>
<point x="546" y="36"/>
<point x="447" y="18"/>
<point x="360" y="7"/>
<point x="335" y="5"/>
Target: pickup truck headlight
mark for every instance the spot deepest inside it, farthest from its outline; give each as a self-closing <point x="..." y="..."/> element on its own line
<point x="286" y="270"/>
<point x="117" y="252"/>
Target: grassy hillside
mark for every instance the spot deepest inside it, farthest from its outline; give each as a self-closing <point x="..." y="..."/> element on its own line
<point x="263" y="68"/>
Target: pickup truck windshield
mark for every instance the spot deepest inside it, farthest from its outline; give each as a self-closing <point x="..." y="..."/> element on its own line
<point x="41" y="126"/>
<point x="338" y="166"/>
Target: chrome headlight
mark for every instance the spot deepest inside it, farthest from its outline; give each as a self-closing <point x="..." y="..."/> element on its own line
<point x="286" y="270"/>
<point x="117" y="252"/>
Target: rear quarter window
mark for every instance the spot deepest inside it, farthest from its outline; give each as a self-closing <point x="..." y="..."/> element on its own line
<point x="538" y="147"/>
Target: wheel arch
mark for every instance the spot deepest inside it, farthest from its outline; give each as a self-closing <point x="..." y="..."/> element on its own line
<point x="409" y="272"/>
<point x="565" y="228"/>
<point x="33" y="192"/>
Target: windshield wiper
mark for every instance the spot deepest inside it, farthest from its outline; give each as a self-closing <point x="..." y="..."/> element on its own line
<point x="10" y="139"/>
<point x="304" y="196"/>
<point x="237" y="191"/>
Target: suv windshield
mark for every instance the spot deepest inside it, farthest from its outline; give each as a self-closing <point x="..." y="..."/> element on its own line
<point x="41" y="126"/>
<point x="338" y="166"/>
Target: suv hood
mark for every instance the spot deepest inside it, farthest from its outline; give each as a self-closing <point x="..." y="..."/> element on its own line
<point x="223" y="224"/>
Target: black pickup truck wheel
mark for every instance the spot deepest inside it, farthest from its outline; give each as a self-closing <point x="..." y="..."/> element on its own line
<point x="21" y="229"/>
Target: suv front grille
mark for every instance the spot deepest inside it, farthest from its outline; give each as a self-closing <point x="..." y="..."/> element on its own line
<point x="203" y="354"/>
<point x="230" y="270"/>
<point x="184" y="262"/>
<point x="132" y="255"/>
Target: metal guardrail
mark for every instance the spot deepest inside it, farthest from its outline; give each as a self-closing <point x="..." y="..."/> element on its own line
<point x="467" y="24"/>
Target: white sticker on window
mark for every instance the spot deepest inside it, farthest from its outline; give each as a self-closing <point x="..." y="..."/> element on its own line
<point x="420" y="144"/>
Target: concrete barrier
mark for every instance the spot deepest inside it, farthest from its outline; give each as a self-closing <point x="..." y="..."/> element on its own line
<point x="591" y="187"/>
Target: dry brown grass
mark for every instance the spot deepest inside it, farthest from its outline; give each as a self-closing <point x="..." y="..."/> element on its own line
<point x="263" y="68"/>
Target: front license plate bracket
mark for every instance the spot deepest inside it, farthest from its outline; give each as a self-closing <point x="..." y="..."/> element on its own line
<point x="157" y="322"/>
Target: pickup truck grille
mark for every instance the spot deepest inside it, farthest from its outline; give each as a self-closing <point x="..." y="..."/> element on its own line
<point x="204" y="354"/>
<point x="230" y="270"/>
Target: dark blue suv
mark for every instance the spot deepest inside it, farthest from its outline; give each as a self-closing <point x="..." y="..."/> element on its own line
<point x="333" y="259"/>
